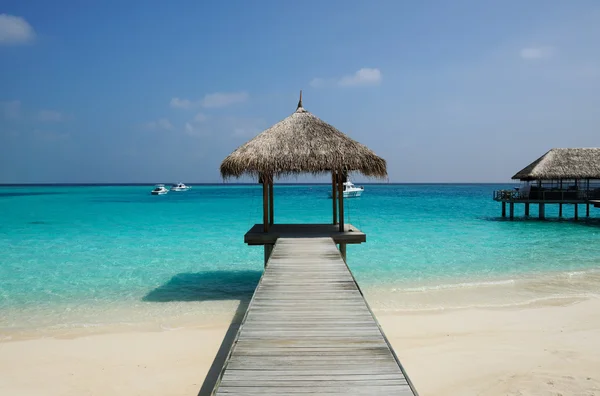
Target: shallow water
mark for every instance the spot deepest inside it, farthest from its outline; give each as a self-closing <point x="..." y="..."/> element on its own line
<point x="86" y="257"/>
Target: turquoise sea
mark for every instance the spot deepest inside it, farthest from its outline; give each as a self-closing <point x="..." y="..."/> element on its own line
<point x="94" y="258"/>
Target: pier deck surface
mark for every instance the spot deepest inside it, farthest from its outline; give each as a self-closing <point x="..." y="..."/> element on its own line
<point x="309" y="330"/>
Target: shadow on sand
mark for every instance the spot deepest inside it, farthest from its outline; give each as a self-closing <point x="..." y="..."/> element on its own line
<point x="211" y="286"/>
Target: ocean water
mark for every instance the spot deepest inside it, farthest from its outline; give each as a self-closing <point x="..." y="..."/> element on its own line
<point x="77" y="258"/>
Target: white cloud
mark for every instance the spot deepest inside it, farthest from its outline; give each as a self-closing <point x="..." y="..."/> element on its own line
<point x="223" y="99"/>
<point x="214" y="100"/>
<point x="245" y="132"/>
<point x="50" y="135"/>
<point x="11" y="109"/>
<point x="193" y="129"/>
<point x="200" y="117"/>
<point x="178" y="103"/>
<point x="364" y="76"/>
<point x="161" y="123"/>
<point x="318" y="82"/>
<point x="537" y="52"/>
<point x="15" y="30"/>
<point x="50" y="116"/>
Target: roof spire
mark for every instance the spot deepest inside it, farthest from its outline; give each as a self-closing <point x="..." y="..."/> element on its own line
<point x="300" y="101"/>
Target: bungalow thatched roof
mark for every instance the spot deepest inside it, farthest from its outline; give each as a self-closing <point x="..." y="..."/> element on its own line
<point x="302" y="143"/>
<point x="563" y="163"/>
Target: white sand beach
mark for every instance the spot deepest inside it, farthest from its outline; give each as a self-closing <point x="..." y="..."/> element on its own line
<point x="549" y="350"/>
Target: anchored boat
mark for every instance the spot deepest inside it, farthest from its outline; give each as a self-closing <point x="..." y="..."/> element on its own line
<point x="180" y="187"/>
<point x="350" y="190"/>
<point x="159" y="189"/>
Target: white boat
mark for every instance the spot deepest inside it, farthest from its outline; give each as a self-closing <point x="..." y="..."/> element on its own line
<point x="350" y="190"/>
<point x="180" y="187"/>
<point x="159" y="189"/>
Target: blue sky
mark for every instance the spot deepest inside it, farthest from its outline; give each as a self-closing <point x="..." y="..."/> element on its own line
<point x="140" y="91"/>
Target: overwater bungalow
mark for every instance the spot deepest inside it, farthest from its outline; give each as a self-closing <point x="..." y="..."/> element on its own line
<point x="561" y="176"/>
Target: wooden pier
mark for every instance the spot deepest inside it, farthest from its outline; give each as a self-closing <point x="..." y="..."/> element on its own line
<point x="308" y="330"/>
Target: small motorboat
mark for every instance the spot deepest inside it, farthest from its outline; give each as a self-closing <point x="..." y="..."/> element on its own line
<point x="350" y="190"/>
<point x="159" y="189"/>
<point x="180" y="187"/>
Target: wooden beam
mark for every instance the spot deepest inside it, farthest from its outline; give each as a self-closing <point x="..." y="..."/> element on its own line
<point x="271" y="210"/>
<point x="268" y="250"/>
<point x="265" y="205"/>
<point x="503" y="209"/>
<point x="341" y="199"/>
<point x="559" y="210"/>
<point x="334" y="195"/>
<point x="542" y="211"/>
<point x="526" y="209"/>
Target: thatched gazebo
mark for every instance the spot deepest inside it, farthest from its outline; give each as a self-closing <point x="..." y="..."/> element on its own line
<point x="302" y="143"/>
<point x="560" y="176"/>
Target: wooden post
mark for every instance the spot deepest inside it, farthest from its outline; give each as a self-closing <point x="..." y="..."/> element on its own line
<point x="271" y="210"/>
<point x="576" y="212"/>
<point x="559" y="210"/>
<point x="268" y="251"/>
<point x="587" y="208"/>
<point x="341" y="203"/>
<point x="512" y="210"/>
<point x="542" y="211"/>
<point x="343" y="251"/>
<point x="503" y="209"/>
<point x="334" y="195"/>
<point x="527" y="209"/>
<point x="265" y="205"/>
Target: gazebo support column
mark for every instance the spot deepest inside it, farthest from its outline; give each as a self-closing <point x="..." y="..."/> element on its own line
<point x="341" y="201"/>
<point x="271" y="210"/>
<point x="268" y="251"/>
<point x="587" y="207"/>
<point x="526" y="210"/>
<point x="576" y="214"/>
<point x="512" y="210"/>
<point x="265" y="183"/>
<point x="559" y="210"/>
<point x="334" y="196"/>
<point x="503" y="209"/>
<point x="343" y="251"/>
<point x="265" y="186"/>
<point x="542" y="211"/>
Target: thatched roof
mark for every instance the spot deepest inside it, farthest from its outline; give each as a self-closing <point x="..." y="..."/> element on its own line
<point x="563" y="163"/>
<point x="302" y="143"/>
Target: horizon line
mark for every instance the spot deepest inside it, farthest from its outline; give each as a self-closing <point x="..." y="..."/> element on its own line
<point x="234" y="184"/>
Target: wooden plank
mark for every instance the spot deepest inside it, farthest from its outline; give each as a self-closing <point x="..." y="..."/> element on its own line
<point x="308" y="330"/>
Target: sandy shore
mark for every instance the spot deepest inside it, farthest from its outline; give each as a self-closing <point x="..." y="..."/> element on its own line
<point x="551" y="350"/>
